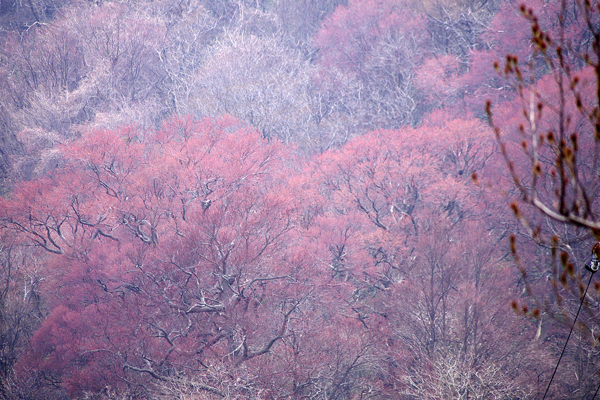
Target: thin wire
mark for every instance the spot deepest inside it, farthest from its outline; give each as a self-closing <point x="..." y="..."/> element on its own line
<point x="596" y="392"/>
<point x="568" y="337"/>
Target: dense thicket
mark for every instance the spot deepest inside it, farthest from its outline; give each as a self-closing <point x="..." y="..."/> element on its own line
<point x="298" y="199"/>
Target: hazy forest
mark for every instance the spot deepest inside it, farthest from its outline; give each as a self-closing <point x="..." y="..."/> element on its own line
<point x="299" y="199"/>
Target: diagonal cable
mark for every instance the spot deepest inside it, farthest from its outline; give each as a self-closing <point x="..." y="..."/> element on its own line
<point x="568" y="337"/>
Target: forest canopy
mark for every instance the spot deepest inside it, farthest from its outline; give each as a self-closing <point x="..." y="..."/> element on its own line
<point x="269" y="199"/>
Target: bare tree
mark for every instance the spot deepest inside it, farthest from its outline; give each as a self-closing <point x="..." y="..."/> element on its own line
<point x="259" y="81"/>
